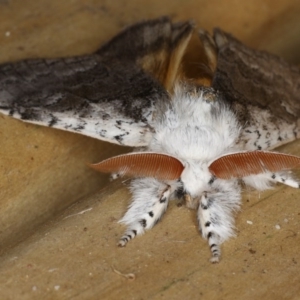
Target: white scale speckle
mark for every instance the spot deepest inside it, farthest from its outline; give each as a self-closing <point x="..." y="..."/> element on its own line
<point x="57" y="287"/>
<point x="7" y="33"/>
<point x="277" y="227"/>
<point x="249" y="222"/>
<point x="52" y="270"/>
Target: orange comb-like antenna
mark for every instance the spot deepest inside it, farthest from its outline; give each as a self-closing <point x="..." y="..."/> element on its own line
<point x="142" y="164"/>
<point x="241" y="164"/>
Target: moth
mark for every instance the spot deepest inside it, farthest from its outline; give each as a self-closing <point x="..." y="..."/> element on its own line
<point x="202" y="126"/>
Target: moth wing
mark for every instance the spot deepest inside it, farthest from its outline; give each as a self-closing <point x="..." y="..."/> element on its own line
<point x="242" y="164"/>
<point x="263" y="90"/>
<point x="109" y="95"/>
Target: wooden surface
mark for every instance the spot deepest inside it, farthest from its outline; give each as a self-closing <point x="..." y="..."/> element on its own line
<point x="51" y="249"/>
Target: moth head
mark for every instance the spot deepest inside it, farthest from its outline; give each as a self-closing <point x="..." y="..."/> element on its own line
<point x="197" y="177"/>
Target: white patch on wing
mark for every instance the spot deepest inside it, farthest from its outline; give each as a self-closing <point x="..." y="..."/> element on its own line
<point x="264" y="134"/>
<point x="113" y="129"/>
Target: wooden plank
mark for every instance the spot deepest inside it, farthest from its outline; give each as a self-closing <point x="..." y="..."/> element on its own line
<point x="65" y="253"/>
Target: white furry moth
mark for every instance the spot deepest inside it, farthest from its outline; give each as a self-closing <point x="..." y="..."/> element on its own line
<point x="198" y="142"/>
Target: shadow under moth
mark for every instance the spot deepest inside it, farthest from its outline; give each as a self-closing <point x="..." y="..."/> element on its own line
<point x="203" y="124"/>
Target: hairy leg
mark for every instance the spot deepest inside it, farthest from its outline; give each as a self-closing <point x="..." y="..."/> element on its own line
<point x="215" y="215"/>
<point x="286" y="178"/>
<point x="264" y="181"/>
<point x="150" y="199"/>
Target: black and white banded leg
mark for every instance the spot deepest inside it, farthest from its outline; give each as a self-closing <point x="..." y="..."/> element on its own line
<point x="264" y="181"/>
<point x="215" y="217"/>
<point x="286" y="178"/>
<point x="150" y="201"/>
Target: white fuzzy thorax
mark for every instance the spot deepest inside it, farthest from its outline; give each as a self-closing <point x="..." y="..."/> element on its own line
<point x="194" y="129"/>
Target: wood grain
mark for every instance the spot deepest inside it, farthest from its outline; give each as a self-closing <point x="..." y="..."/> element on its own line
<point x="68" y="253"/>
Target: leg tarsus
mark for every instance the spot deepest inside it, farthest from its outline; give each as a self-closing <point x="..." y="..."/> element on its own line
<point x="214" y="259"/>
<point x="128" y="235"/>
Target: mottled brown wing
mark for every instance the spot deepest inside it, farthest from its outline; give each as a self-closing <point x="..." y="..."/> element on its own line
<point x="263" y="90"/>
<point x="256" y="77"/>
<point x="110" y="95"/>
<point x="143" y="164"/>
<point x="242" y="164"/>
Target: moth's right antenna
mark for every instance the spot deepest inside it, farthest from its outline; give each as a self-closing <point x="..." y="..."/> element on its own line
<point x="242" y="164"/>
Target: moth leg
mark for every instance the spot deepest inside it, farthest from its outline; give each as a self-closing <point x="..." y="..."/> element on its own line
<point x="150" y="201"/>
<point x="207" y="227"/>
<point x="264" y="181"/>
<point x="215" y="217"/>
<point x="285" y="178"/>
